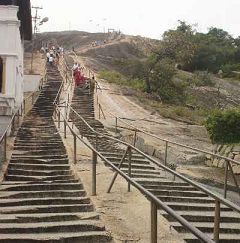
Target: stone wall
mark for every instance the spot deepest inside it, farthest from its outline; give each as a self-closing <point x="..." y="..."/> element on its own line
<point x="176" y="155"/>
<point x="230" y="151"/>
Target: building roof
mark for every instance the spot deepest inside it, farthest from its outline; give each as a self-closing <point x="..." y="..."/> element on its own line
<point x="24" y="15"/>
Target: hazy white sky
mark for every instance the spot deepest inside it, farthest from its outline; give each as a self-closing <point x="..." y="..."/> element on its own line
<point x="139" y="17"/>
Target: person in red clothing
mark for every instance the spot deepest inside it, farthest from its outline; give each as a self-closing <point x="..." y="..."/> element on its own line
<point x="79" y="78"/>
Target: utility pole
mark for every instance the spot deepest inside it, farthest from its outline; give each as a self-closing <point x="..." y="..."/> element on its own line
<point x="35" y="19"/>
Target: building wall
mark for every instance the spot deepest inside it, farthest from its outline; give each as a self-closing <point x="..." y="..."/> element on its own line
<point x="11" y="50"/>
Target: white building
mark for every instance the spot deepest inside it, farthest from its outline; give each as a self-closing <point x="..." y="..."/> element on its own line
<point x="15" y="27"/>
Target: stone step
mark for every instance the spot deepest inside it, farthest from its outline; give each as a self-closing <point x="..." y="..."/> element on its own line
<point x="41" y="187"/>
<point x="226" y="228"/>
<point x="47" y="209"/>
<point x="46" y="156"/>
<point x="134" y="160"/>
<point x="156" y="183"/>
<point x="41" y="194"/>
<point x="52" y="227"/>
<point x="224" y="238"/>
<point x="142" y="171"/>
<point x="34" y="218"/>
<point x="135" y="165"/>
<point x="119" y="155"/>
<point x="47" y="167"/>
<point x="185" y="198"/>
<point x="195" y="206"/>
<point x="38" y="178"/>
<point x="41" y="182"/>
<point x="39" y="147"/>
<point x="157" y="188"/>
<point x="207" y="216"/>
<point x="160" y="193"/>
<point x="40" y="161"/>
<point x="39" y="172"/>
<point x="44" y="201"/>
<point x="152" y="176"/>
<point x="73" y="237"/>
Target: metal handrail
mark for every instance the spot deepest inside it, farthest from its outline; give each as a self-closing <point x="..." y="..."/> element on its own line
<point x="145" y="192"/>
<point x="179" y="144"/>
<point x="194" y="184"/>
<point x="228" y="161"/>
<point x="56" y="100"/>
<point x="171" y="142"/>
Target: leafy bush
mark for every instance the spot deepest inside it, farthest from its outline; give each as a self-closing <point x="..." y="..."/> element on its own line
<point x="203" y="78"/>
<point x="228" y="70"/>
<point x="162" y="83"/>
<point x="224" y="126"/>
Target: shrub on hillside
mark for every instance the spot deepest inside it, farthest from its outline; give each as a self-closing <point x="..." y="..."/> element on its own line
<point x="224" y="126"/>
<point x="162" y="82"/>
<point x="203" y="78"/>
<point x="228" y="70"/>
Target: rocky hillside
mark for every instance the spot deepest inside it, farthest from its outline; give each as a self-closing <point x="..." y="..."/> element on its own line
<point x="100" y="50"/>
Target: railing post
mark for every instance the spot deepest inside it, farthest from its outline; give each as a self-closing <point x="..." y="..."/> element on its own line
<point x="66" y="110"/>
<point x="225" y="179"/>
<point x="32" y="98"/>
<point x="153" y="223"/>
<point x="217" y="218"/>
<point x="13" y="126"/>
<point x="99" y="113"/>
<point x="68" y="98"/>
<point x="54" y="112"/>
<point x="5" y="147"/>
<point x="24" y="106"/>
<point x="166" y="151"/>
<point x="65" y="129"/>
<point x="59" y="119"/>
<point x="94" y="173"/>
<point x="116" y="124"/>
<point x="18" y="118"/>
<point x="135" y="138"/>
<point x="21" y="109"/>
<point x="119" y="167"/>
<point x="96" y="142"/>
<point x="72" y="121"/>
<point x="66" y="74"/>
<point x="74" y="148"/>
<point x="129" y="167"/>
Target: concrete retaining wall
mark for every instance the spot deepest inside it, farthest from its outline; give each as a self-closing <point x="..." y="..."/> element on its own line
<point x="230" y="151"/>
<point x="31" y="82"/>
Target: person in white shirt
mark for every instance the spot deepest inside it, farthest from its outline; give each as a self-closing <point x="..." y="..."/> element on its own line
<point x="51" y="59"/>
<point x="48" y="55"/>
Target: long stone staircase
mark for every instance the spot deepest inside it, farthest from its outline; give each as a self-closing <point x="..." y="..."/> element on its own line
<point x="40" y="198"/>
<point x="194" y="205"/>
